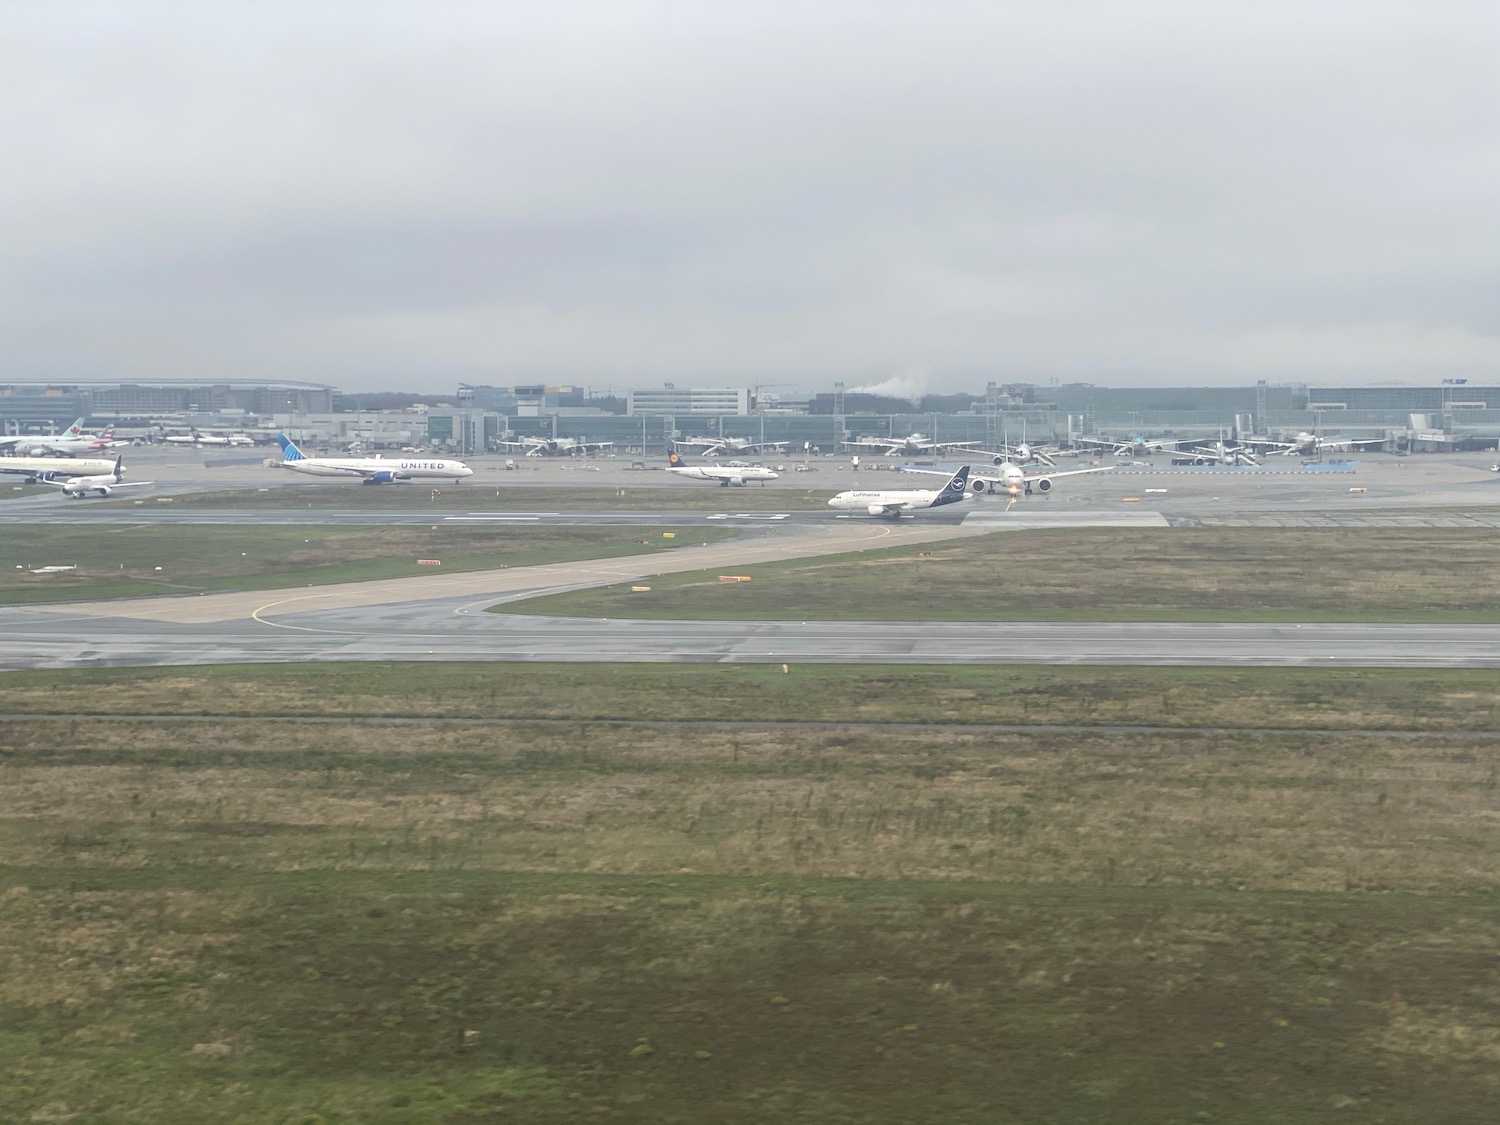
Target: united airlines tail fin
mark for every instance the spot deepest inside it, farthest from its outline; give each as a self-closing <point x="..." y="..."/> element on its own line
<point x="954" y="490"/>
<point x="289" y="450"/>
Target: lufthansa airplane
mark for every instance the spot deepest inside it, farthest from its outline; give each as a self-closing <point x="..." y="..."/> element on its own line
<point x="893" y="503"/>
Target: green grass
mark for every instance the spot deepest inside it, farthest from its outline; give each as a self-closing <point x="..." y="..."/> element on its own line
<point x="9" y="490"/>
<point x="647" y="492"/>
<point x="1096" y="574"/>
<point x="233" y="921"/>
<point x="122" y="561"/>
<point x="1231" y="698"/>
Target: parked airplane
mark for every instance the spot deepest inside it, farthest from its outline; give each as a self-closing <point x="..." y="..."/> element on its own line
<point x="1019" y="454"/>
<point x="72" y="442"/>
<point x="76" y="488"/>
<point x="909" y="446"/>
<point x="553" y="447"/>
<point x="1217" y="454"/>
<point x="26" y="443"/>
<point x="198" y="440"/>
<point x="1310" y="445"/>
<point x="35" y="468"/>
<point x="1137" y="446"/>
<point x="373" y="470"/>
<point x="712" y="447"/>
<point x="725" y="474"/>
<point x="894" y="502"/>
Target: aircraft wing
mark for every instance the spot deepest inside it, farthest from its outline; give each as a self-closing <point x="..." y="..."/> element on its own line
<point x="1071" y="472"/>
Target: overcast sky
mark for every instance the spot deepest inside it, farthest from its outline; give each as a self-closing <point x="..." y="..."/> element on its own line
<point x="924" y="195"/>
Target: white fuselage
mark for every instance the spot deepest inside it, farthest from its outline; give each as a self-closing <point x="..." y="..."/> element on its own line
<point x="724" y="474"/>
<point x="64" y="446"/>
<point x="889" y="501"/>
<point x="399" y="468"/>
<point x="37" y="466"/>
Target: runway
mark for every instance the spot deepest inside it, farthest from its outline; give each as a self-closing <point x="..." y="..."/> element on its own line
<point x="459" y="629"/>
<point x="441" y="616"/>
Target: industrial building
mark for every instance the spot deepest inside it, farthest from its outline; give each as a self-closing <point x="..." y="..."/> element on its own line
<point x="1452" y="414"/>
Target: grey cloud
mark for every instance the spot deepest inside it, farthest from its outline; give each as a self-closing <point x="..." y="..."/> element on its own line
<point x="1153" y="192"/>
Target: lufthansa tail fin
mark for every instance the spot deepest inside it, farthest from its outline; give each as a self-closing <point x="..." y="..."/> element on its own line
<point x="955" y="489"/>
<point x="289" y="450"/>
<point x="675" y="461"/>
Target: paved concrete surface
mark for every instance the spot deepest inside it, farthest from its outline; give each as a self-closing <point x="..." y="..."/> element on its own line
<point x="440" y="616"/>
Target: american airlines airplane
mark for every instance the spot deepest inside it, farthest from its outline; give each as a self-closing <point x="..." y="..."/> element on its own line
<point x="373" y="470"/>
<point x="724" y="474"/>
<point x="893" y="502"/>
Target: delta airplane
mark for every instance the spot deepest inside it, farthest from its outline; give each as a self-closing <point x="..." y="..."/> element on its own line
<point x="76" y="488"/>
<point x="35" y="468"/>
<point x="724" y="474"/>
<point x="893" y="502"/>
<point x="373" y="470"/>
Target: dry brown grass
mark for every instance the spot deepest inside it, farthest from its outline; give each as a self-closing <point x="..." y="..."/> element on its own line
<point x="1272" y="812"/>
<point x="1299" y="698"/>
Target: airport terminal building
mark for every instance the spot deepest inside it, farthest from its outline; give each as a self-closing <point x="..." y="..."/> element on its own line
<point x="1453" y="414"/>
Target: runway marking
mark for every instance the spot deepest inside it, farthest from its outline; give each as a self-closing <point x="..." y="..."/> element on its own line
<point x="491" y="519"/>
<point x="746" y="516"/>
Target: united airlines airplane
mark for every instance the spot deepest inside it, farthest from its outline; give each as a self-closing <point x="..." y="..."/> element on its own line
<point x="373" y="470"/>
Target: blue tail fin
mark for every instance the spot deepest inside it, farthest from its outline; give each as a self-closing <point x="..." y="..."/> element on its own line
<point x="675" y="460"/>
<point x="953" y="491"/>
<point x="289" y="450"/>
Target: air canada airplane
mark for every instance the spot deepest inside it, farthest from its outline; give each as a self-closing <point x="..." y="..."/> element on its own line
<point x="373" y="470"/>
<point x="893" y="502"/>
<point x="76" y="488"/>
<point x="724" y="474"/>
<point x="72" y="442"/>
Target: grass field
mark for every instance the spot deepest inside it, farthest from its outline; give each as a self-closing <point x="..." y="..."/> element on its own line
<point x="12" y="491"/>
<point x="1098" y="574"/>
<point x="653" y="492"/>
<point x="1312" y="700"/>
<point x="236" y="920"/>
<point x="122" y="561"/>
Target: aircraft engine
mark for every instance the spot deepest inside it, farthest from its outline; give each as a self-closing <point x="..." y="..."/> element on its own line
<point x="979" y="485"/>
<point x="737" y="480"/>
<point x="385" y="476"/>
<point x="1042" y="484"/>
<point x="998" y="459"/>
<point x="875" y="510"/>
